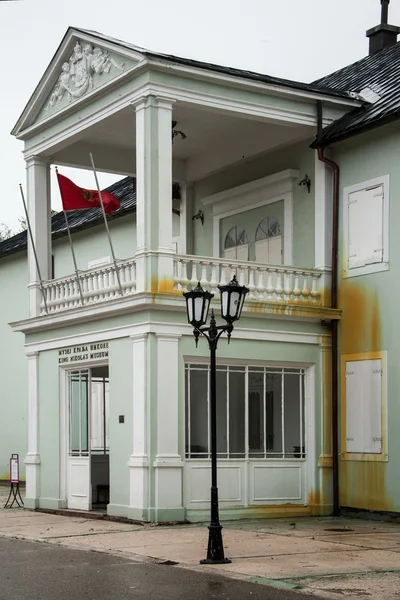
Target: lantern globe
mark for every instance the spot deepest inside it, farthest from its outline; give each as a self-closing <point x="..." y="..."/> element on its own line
<point x="232" y="299"/>
<point x="197" y="306"/>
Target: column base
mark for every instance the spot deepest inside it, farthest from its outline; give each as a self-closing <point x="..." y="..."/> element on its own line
<point x="32" y="468"/>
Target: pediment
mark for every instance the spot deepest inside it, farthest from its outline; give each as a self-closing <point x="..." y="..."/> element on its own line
<point x="84" y="63"/>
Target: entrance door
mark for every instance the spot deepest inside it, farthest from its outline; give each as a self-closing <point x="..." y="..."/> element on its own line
<point x="78" y="468"/>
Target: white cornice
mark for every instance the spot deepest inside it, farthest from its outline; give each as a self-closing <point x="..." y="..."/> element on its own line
<point x="169" y="331"/>
<point x="272" y="185"/>
<point x="242" y="82"/>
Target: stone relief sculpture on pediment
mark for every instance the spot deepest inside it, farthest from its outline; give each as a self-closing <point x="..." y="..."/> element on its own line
<point x="76" y="76"/>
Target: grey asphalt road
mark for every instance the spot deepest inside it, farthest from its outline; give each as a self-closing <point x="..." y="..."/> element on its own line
<point x="34" y="571"/>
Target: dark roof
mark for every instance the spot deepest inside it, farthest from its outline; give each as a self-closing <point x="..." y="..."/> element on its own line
<point x="241" y="73"/>
<point x="381" y="73"/>
<point x="78" y="220"/>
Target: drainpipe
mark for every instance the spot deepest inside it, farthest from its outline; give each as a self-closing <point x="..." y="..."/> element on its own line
<point x="334" y="323"/>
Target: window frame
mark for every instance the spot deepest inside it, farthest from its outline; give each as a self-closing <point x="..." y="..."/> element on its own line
<point x="305" y="380"/>
<point x="361" y="456"/>
<point x="383" y="181"/>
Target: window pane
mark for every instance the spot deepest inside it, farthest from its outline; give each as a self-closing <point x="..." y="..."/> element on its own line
<point x="74" y="421"/>
<point x="97" y="415"/>
<point x="256" y="413"/>
<point x="198" y="413"/>
<point x="221" y="413"/>
<point x="273" y="413"/>
<point x="292" y="416"/>
<point x="236" y="413"/>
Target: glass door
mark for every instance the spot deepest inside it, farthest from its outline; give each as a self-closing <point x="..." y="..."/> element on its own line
<point x="79" y="471"/>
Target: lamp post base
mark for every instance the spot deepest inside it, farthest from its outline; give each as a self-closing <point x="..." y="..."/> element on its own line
<point x="224" y="561"/>
<point x="215" y="550"/>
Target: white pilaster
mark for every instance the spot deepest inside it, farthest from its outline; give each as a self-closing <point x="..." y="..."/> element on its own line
<point x="32" y="459"/>
<point x="186" y="220"/>
<point x="168" y="462"/>
<point x="154" y="192"/>
<point x="138" y="462"/>
<point x="39" y="210"/>
<point x="323" y="224"/>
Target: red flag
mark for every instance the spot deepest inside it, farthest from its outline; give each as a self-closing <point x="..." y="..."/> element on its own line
<point x="76" y="198"/>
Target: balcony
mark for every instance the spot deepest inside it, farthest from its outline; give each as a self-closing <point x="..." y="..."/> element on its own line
<point x="268" y="284"/>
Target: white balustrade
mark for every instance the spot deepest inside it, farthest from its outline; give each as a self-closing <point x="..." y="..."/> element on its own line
<point x="266" y="283"/>
<point x="95" y="286"/>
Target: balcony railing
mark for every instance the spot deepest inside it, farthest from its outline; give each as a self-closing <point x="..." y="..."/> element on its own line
<point x="266" y="283"/>
<point x="96" y="285"/>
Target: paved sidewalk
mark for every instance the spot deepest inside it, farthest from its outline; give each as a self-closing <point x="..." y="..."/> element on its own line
<point x="335" y="558"/>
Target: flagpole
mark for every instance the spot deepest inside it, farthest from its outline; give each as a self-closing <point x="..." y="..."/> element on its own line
<point x="34" y="249"/>
<point x="106" y="224"/>
<point x="73" y="253"/>
<point x="73" y="257"/>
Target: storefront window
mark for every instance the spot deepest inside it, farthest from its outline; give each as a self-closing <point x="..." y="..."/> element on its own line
<point x="260" y="412"/>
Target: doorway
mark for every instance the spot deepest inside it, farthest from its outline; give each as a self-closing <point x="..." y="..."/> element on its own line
<point x="88" y="468"/>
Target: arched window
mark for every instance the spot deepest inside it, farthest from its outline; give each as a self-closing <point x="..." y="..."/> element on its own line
<point x="269" y="241"/>
<point x="269" y="227"/>
<point x="236" y="244"/>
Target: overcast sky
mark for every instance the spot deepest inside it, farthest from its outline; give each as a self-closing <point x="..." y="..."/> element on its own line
<point x="295" y="39"/>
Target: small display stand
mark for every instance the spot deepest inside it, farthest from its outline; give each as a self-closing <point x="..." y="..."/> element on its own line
<point x="14" y="494"/>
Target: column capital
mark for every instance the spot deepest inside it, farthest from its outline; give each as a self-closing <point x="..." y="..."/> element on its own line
<point x="36" y="161"/>
<point x="31" y="353"/>
<point x="153" y="100"/>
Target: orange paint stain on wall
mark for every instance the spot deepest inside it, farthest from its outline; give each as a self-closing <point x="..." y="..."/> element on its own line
<point x="362" y="482"/>
<point x="360" y="323"/>
<point x="363" y="485"/>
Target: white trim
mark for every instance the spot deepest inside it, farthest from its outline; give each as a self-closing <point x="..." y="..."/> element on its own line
<point x="49" y="78"/>
<point x="248" y="83"/>
<point x="173" y="330"/>
<point x="253" y="195"/>
<point x="384" y="180"/>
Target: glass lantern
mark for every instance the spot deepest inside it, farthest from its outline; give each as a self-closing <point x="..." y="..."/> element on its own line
<point x="232" y="300"/>
<point x="197" y="306"/>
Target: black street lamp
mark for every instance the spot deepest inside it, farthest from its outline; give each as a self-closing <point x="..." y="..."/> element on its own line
<point x="197" y="305"/>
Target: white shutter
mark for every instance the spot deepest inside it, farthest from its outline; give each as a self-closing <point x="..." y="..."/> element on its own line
<point x="275" y="250"/>
<point x="269" y="250"/>
<point x="242" y="252"/>
<point x="365" y="227"/>
<point x="372" y="378"/>
<point x="230" y="253"/>
<point x="262" y="251"/>
<point x="364" y="406"/>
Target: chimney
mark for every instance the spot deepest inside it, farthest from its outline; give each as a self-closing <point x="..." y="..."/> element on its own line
<point x="383" y="35"/>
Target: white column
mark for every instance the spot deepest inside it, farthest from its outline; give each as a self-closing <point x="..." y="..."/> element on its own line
<point x="323" y="225"/>
<point x="168" y="462"/>
<point x="39" y="210"/>
<point x="138" y="462"/>
<point x="186" y="220"/>
<point x="154" y="193"/>
<point x="32" y="459"/>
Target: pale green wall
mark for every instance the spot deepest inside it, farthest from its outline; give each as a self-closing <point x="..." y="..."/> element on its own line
<point x="13" y="363"/>
<point x="121" y="403"/>
<point x="49" y="427"/>
<point x="371" y="319"/>
<point x="299" y="156"/>
<point x="92" y="244"/>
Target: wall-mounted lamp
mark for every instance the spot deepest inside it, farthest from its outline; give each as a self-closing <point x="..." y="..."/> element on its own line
<point x="199" y="215"/>
<point x="175" y="132"/>
<point x="306" y="181"/>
